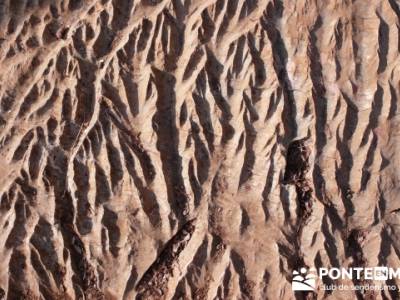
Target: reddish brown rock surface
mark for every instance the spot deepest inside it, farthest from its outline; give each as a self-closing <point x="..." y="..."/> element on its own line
<point x="196" y="149"/>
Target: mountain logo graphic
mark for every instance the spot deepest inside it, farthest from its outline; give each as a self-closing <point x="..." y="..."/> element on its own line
<point x="303" y="280"/>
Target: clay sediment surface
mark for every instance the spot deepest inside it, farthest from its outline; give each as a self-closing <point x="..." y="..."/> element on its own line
<point x="155" y="149"/>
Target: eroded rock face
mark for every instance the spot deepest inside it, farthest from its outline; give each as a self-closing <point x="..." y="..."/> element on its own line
<point x="196" y="149"/>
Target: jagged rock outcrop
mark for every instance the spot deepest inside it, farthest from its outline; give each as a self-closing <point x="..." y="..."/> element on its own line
<point x="144" y="146"/>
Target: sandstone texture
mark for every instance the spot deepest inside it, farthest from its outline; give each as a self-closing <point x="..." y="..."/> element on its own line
<point x="197" y="149"/>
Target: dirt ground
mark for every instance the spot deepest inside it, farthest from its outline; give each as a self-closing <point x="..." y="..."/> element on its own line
<point x="186" y="149"/>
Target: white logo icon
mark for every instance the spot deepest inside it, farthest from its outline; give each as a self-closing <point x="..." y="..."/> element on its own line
<point x="381" y="273"/>
<point x="304" y="281"/>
